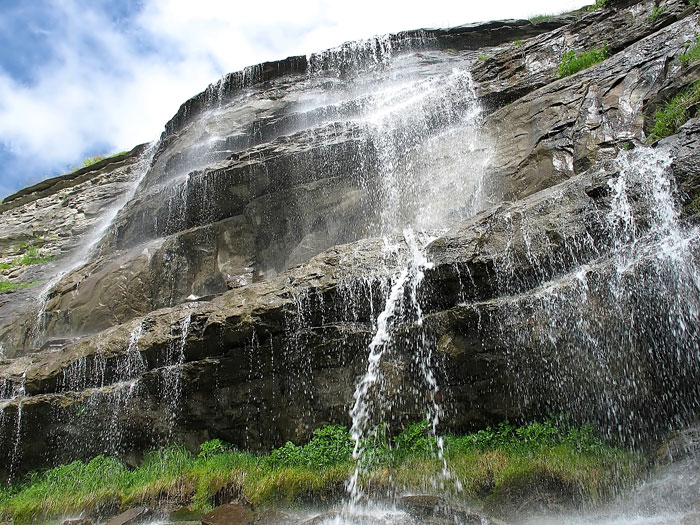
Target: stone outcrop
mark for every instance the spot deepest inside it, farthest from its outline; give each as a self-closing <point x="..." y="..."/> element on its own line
<point x="263" y="204"/>
<point x="61" y="217"/>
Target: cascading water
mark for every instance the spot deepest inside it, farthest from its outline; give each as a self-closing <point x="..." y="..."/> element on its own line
<point x="401" y="124"/>
<point x="597" y="367"/>
<point x="91" y="243"/>
<point x="172" y="374"/>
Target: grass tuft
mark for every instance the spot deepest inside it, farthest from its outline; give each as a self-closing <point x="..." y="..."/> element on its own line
<point x="94" y="160"/>
<point x="599" y="4"/>
<point x="29" y="255"/>
<point x="656" y="12"/>
<point x="572" y="62"/>
<point x="693" y="54"/>
<point x="675" y="113"/>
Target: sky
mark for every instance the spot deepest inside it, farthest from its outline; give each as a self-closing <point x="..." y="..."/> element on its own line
<point x="80" y="78"/>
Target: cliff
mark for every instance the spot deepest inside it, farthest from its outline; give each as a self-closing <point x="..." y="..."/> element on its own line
<point x="236" y="290"/>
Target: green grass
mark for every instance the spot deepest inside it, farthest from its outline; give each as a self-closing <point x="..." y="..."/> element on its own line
<point x="693" y="53"/>
<point x="599" y="4"/>
<point x="541" y="18"/>
<point x="490" y="464"/>
<point x="656" y="12"/>
<point x="94" y="160"/>
<point x="675" y="113"/>
<point x="29" y="255"/>
<point x="572" y="62"/>
<point x="6" y="286"/>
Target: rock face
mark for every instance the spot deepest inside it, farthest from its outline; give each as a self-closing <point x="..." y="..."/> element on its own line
<point x="559" y="274"/>
<point x="61" y="217"/>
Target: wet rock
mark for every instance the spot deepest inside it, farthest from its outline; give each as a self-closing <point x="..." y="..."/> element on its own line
<point x="57" y="216"/>
<point x="274" y="517"/>
<point x="131" y="517"/>
<point x="683" y="445"/>
<point x="691" y="519"/>
<point x="229" y="514"/>
<point x="78" y="521"/>
<point x="321" y="518"/>
<point x="430" y="508"/>
<point x="567" y="125"/>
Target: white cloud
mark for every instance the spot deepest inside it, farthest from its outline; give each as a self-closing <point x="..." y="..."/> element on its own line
<point x="115" y="86"/>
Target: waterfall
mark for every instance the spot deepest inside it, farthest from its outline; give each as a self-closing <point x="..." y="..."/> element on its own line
<point x="90" y="245"/>
<point x="417" y="197"/>
<point x="646" y="280"/>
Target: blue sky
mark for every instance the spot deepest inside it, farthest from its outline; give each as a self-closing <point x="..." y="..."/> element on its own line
<point x="80" y="78"/>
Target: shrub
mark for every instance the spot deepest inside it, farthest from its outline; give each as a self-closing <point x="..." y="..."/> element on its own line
<point x="212" y="448"/>
<point x="572" y="62"/>
<point x="331" y="445"/>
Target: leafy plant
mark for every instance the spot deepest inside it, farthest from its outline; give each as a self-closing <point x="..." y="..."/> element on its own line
<point x="331" y="445"/>
<point x="572" y="62"/>
<point x="30" y="255"/>
<point x="416" y="440"/>
<point x="211" y="448"/>
<point x="518" y="43"/>
<point x="675" y="113"/>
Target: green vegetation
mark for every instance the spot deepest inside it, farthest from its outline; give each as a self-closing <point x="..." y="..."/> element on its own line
<point x="28" y="254"/>
<point x="94" y="160"/>
<point x="599" y="4"/>
<point x="572" y="62"/>
<point x="675" y="113"/>
<point x="5" y="286"/>
<point x="656" y="12"/>
<point x="540" y="18"/>
<point x="693" y="53"/>
<point x="693" y="207"/>
<point x="484" y="57"/>
<point x="489" y="464"/>
<point x="518" y="43"/>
